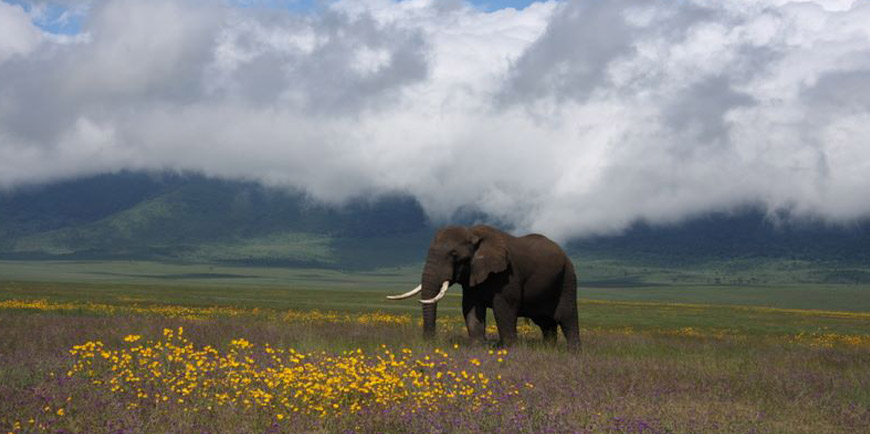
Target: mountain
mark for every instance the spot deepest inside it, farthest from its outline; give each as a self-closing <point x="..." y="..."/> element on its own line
<point x="189" y="217"/>
<point x="747" y="234"/>
<point x="194" y="218"/>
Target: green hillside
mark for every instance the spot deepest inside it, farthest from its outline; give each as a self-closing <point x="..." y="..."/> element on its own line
<point x="189" y="218"/>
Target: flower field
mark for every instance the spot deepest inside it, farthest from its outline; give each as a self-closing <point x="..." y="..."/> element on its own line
<point x="281" y="382"/>
<point x="79" y="367"/>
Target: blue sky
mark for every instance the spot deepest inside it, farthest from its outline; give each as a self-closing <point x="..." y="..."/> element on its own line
<point x="500" y="4"/>
<point x="53" y="18"/>
<point x="58" y="19"/>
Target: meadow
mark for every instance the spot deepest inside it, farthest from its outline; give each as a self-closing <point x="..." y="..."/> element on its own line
<point x="146" y="347"/>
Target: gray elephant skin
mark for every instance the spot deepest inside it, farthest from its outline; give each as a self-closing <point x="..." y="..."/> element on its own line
<point x="528" y="276"/>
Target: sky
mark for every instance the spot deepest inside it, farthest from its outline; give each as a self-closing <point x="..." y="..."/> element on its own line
<point x="570" y="117"/>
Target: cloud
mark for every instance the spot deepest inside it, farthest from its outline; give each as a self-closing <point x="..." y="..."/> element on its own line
<point x="569" y="118"/>
<point x="18" y="36"/>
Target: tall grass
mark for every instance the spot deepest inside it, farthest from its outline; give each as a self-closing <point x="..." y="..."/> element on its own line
<point x="678" y="379"/>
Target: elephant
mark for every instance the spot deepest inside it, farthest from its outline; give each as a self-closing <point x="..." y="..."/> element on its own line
<point x="528" y="276"/>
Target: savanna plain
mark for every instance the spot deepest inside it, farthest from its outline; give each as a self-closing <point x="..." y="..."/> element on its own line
<point x="140" y="347"/>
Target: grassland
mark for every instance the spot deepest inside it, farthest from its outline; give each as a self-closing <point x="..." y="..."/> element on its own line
<point x="194" y="283"/>
<point x="656" y="358"/>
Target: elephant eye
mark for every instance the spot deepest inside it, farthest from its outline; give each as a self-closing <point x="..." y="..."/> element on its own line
<point x="453" y="253"/>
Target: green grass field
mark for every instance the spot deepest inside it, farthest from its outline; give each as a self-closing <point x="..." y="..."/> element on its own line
<point x="267" y="286"/>
<point x="656" y="358"/>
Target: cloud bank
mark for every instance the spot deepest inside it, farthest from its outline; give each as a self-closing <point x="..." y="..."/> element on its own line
<point x="568" y="118"/>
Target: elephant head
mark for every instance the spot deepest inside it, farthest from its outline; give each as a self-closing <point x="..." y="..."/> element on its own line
<point x="466" y="256"/>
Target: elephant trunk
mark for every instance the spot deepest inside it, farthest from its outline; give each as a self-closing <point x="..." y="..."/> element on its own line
<point x="431" y="285"/>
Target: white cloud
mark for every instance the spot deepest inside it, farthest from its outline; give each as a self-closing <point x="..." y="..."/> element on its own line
<point x="18" y="35"/>
<point x="142" y="49"/>
<point x="567" y="118"/>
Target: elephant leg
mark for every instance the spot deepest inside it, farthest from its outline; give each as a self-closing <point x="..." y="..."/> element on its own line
<point x="568" y="321"/>
<point x="475" y="318"/>
<point x="571" y="330"/>
<point x="566" y="312"/>
<point x="505" y="320"/>
<point x="570" y="326"/>
<point x="548" y="329"/>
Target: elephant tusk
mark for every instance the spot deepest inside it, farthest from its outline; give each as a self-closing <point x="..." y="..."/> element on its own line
<point x="440" y="295"/>
<point x="408" y="294"/>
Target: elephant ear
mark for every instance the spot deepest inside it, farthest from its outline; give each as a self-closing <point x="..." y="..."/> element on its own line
<point x="490" y="254"/>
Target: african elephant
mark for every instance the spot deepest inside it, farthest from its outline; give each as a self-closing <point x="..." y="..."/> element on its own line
<point x="527" y="276"/>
